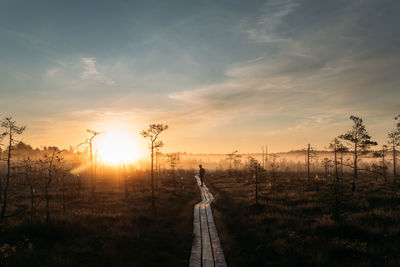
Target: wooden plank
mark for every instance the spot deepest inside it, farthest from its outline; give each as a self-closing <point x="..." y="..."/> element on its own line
<point x="207" y="252"/>
<point x="195" y="257"/>
<point x="206" y="247"/>
<point x="219" y="256"/>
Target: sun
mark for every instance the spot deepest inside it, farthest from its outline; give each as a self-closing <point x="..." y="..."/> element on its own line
<point x="116" y="147"/>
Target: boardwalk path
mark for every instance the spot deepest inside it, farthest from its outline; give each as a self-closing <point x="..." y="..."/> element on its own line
<point x="206" y="249"/>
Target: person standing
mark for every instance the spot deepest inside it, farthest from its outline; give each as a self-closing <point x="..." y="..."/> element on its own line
<point x="202" y="171"/>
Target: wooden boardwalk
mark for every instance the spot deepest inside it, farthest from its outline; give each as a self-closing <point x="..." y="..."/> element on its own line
<point x="206" y="248"/>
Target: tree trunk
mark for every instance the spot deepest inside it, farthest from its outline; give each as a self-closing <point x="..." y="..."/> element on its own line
<point x="152" y="175"/>
<point x="355" y="175"/>
<point x="308" y="163"/>
<point x="173" y="177"/>
<point x="256" y="176"/>
<point x="125" y="182"/>
<point x="63" y="193"/>
<point x="156" y="170"/>
<point x="5" y="190"/>
<point x="341" y="165"/>
<point x="47" y="195"/>
<point x="91" y="167"/>
<point x="384" y="166"/>
<point x="394" y="160"/>
<point x="336" y="167"/>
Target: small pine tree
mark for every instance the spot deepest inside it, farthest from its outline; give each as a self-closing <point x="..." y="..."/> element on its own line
<point x="153" y="133"/>
<point x="360" y="139"/>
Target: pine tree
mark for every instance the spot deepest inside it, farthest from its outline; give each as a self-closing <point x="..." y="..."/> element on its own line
<point x="361" y="141"/>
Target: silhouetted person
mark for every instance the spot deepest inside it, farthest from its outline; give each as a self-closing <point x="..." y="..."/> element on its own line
<point x="202" y="171"/>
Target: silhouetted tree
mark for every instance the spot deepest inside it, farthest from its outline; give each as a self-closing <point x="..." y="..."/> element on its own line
<point x="342" y="149"/>
<point x="381" y="169"/>
<point x="76" y="160"/>
<point x="158" y="156"/>
<point x="61" y="173"/>
<point x="48" y="165"/>
<point x="125" y="175"/>
<point x="89" y="142"/>
<point x="274" y="164"/>
<point x="230" y="157"/>
<point x="394" y="142"/>
<point x="10" y="130"/>
<point x="360" y="139"/>
<point x="310" y="153"/>
<point x="153" y="133"/>
<point x="173" y="159"/>
<point x="237" y="158"/>
<point x="334" y="145"/>
<point x="256" y="171"/>
<point x="327" y="163"/>
<point x="264" y="151"/>
<point x="30" y="179"/>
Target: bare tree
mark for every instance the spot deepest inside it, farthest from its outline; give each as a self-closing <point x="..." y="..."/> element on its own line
<point x="125" y="175"/>
<point x="153" y="133"/>
<point x="30" y="179"/>
<point x="230" y="157"/>
<point x="263" y="157"/>
<point x="237" y="158"/>
<point x="342" y="149"/>
<point x="335" y="146"/>
<point x="327" y="163"/>
<point x="310" y="153"/>
<point x="158" y="155"/>
<point x="48" y="166"/>
<point x="394" y="141"/>
<point x="274" y="164"/>
<point x="89" y="141"/>
<point x="173" y="159"/>
<point x="361" y="141"/>
<point x="60" y="172"/>
<point x="384" y="152"/>
<point x="11" y="129"/>
<point x="76" y="161"/>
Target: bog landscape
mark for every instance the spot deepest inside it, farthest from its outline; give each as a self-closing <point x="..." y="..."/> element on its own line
<point x="209" y="133"/>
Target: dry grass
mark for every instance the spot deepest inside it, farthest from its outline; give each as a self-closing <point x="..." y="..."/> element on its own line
<point x="294" y="223"/>
<point x="107" y="229"/>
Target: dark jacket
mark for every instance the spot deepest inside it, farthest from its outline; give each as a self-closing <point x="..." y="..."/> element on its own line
<point x="202" y="172"/>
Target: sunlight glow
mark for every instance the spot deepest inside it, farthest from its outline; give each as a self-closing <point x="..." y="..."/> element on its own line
<point x="116" y="147"/>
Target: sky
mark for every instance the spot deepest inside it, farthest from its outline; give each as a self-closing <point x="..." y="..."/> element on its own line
<point x="224" y="75"/>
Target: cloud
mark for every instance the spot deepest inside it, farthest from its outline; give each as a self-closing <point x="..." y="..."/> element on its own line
<point x="52" y="72"/>
<point x="335" y="69"/>
<point x="283" y="68"/>
<point x="90" y="72"/>
<point x="27" y="38"/>
<point x="263" y="27"/>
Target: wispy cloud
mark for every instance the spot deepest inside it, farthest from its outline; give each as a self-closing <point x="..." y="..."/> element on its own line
<point x="90" y="72"/>
<point x="28" y="38"/>
<point x="263" y="28"/>
<point x="278" y="70"/>
<point x="314" y="79"/>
